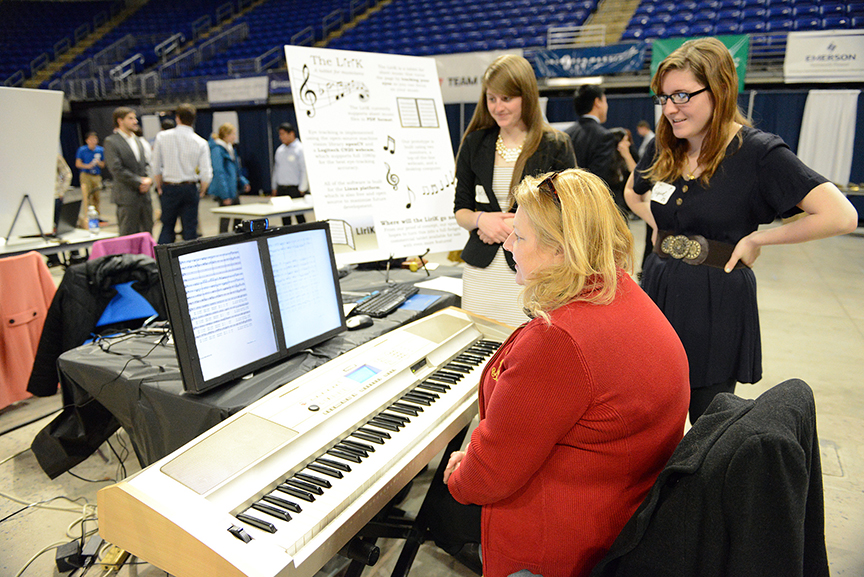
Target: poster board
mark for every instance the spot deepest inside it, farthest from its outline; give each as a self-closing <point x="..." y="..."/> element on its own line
<point x="29" y="144"/>
<point x="377" y="149"/>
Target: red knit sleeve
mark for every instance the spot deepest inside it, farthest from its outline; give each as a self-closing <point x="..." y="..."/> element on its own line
<point x="542" y="390"/>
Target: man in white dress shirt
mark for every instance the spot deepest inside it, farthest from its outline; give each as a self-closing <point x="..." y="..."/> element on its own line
<point x="181" y="161"/>
<point x="289" y="168"/>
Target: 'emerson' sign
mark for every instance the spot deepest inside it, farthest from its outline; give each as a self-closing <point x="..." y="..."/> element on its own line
<point x="824" y="56"/>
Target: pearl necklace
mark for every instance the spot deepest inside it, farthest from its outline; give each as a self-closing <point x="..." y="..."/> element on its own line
<point x="508" y="154"/>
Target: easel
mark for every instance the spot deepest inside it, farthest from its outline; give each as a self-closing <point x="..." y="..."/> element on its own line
<point x="18" y="213"/>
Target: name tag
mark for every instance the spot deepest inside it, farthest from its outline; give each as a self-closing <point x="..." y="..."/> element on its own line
<point x="661" y="192"/>
<point x="480" y="194"/>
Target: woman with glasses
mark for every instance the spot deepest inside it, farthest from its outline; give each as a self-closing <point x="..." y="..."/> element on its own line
<point x="506" y="139"/>
<point x="705" y="185"/>
<point x="581" y="407"/>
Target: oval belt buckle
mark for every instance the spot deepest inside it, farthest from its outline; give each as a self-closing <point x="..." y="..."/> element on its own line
<point x="683" y="248"/>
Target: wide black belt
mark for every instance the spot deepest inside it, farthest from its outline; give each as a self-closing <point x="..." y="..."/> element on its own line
<point x="694" y="249"/>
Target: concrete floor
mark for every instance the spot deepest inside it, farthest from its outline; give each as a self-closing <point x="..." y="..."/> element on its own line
<point x="812" y="312"/>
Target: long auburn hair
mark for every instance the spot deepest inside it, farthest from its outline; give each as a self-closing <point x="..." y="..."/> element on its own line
<point x="711" y="64"/>
<point x="587" y="227"/>
<point x="512" y="75"/>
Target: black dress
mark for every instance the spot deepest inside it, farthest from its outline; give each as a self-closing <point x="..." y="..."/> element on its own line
<point x="715" y="313"/>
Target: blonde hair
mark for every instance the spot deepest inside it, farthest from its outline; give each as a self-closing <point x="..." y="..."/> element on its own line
<point x="712" y="66"/>
<point x="588" y="230"/>
<point x="512" y="75"/>
<point x="225" y="130"/>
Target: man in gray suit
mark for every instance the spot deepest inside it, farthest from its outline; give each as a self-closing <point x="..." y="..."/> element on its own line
<point x="124" y="155"/>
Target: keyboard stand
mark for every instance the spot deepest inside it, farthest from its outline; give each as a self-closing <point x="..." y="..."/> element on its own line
<point x="396" y="526"/>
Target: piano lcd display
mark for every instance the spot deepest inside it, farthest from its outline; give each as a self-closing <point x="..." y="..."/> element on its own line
<point x="362" y="374"/>
<point x="240" y="302"/>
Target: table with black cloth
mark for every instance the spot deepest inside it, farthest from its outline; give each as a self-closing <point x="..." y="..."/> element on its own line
<point x="134" y="381"/>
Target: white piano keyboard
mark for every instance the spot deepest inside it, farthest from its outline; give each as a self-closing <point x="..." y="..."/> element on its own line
<point x="281" y="486"/>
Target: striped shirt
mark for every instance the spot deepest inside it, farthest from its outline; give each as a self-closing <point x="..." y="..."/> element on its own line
<point x="180" y="155"/>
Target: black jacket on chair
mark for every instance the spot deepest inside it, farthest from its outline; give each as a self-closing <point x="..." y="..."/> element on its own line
<point x="741" y="496"/>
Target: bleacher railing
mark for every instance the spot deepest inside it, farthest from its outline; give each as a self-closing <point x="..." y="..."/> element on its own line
<point x="258" y="64"/>
<point x="571" y="36"/>
<point x="224" y="40"/>
<point x="305" y="37"/>
<point x="164" y="49"/>
<point x="332" y="22"/>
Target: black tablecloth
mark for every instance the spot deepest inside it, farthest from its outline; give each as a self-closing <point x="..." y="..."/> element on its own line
<point x="134" y="381"/>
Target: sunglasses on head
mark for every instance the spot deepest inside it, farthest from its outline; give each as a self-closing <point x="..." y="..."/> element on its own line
<point x="548" y="186"/>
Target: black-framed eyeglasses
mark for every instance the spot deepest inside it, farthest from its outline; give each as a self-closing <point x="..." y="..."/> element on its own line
<point x="548" y="186"/>
<point x="676" y="97"/>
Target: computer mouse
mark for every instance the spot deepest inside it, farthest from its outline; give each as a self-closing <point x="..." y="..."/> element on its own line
<point x="359" y="322"/>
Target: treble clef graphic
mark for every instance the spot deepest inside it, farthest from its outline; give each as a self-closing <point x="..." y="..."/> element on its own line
<point x="307" y="95"/>
<point x="392" y="179"/>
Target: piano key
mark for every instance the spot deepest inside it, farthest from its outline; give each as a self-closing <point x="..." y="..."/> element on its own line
<point x="375" y="422"/>
<point x="325" y="470"/>
<point x="334" y="464"/>
<point x="343" y="455"/>
<point x="351" y="450"/>
<point x="443" y="379"/>
<point x="364" y="446"/>
<point x="270" y="510"/>
<point x="263" y="525"/>
<point x="375" y="432"/>
<point x="284" y="503"/>
<point x="294" y="491"/>
<point x="395" y="418"/>
<point x="433" y="381"/>
<point x="417" y="399"/>
<point x="305" y="486"/>
<point x="459" y="368"/>
<point x="368" y="437"/>
<point x="426" y="394"/>
<point x="455" y="375"/>
<point x="432" y="387"/>
<point x="314" y="479"/>
<point x="405" y="409"/>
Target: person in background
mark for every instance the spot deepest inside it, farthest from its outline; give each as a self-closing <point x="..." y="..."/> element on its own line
<point x="289" y="168"/>
<point x="592" y="142"/>
<point x="647" y="135"/>
<point x="704" y="186"/>
<point x="506" y="139"/>
<point x="623" y="163"/>
<point x="581" y="407"/>
<point x="181" y="162"/>
<point x="126" y="159"/>
<point x="89" y="160"/>
<point x="227" y="181"/>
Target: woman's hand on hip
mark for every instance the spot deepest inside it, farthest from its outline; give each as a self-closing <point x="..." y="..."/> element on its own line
<point x="747" y="251"/>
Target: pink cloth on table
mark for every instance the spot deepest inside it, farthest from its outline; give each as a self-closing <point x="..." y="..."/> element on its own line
<point x="26" y="292"/>
<point x="138" y="243"/>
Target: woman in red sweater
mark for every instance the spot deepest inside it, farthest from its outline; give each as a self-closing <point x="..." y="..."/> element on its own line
<point x="582" y="406"/>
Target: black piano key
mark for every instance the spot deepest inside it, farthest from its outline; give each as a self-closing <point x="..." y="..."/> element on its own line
<point x="443" y="379"/>
<point x="343" y="455"/>
<point x="411" y="397"/>
<point x="457" y="376"/>
<point x="376" y="432"/>
<point x="404" y="409"/>
<point x="351" y="450"/>
<point x="368" y="437"/>
<point x="470" y="359"/>
<point x="433" y="381"/>
<point x="263" y="525"/>
<point x="375" y="422"/>
<point x="334" y="464"/>
<point x="325" y="470"/>
<point x="495" y="344"/>
<point x="459" y="368"/>
<point x="425" y="394"/>
<point x="284" y="503"/>
<point x="270" y="510"/>
<point x="304" y="486"/>
<point x="294" y="491"/>
<point x="364" y="446"/>
<point x="406" y="406"/>
<point x="314" y="479"/>
<point x="240" y="533"/>
<point x="395" y="418"/>
<point x="432" y="387"/>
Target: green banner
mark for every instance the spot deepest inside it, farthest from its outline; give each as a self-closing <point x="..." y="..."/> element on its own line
<point x="738" y="45"/>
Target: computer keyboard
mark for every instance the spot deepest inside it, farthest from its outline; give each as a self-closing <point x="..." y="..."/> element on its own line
<point x="384" y="302"/>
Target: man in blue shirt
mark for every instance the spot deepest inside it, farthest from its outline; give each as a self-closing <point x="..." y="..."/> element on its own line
<point x="90" y="160"/>
<point x="289" y="168"/>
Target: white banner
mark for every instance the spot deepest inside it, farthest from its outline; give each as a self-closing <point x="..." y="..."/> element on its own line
<point x="460" y="74"/>
<point x="824" y="56"/>
<point x="238" y="90"/>
<point x="377" y="150"/>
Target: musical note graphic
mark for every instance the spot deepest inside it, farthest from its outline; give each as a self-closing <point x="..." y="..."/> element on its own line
<point x="392" y="178"/>
<point x="307" y="95"/>
<point x="391" y="145"/>
<point x="448" y="181"/>
<point x="319" y="92"/>
<point x="411" y="197"/>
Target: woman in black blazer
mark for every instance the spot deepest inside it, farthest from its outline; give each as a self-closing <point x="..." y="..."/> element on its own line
<point x="506" y="140"/>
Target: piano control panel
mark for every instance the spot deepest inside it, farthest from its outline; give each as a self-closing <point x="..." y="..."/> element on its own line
<point x="281" y="486"/>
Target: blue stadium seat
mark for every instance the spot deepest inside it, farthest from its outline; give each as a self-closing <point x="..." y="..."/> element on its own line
<point x="729" y="14"/>
<point x="730" y="4"/>
<point x="779" y="11"/>
<point x="682" y="18"/>
<point x="706" y="16"/>
<point x="835" y="22"/>
<point x="855" y="9"/>
<point x="645" y="8"/>
<point x="779" y="25"/>
<point x="857" y="22"/>
<point x="654" y="32"/>
<point x="801" y="10"/>
<point x="727" y="27"/>
<point x="659" y="20"/>
<point x="632" y="34"/>
<point x="752" y="26"/>
<point x="676" y="31"/>
<point x="754" y="3"/>
<point x="807" y="23"/>
<point x="638" y="21"/>
<point x="753" y="13"/>
<point x="701" y="30"/>
<point x="832" y="9"/>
